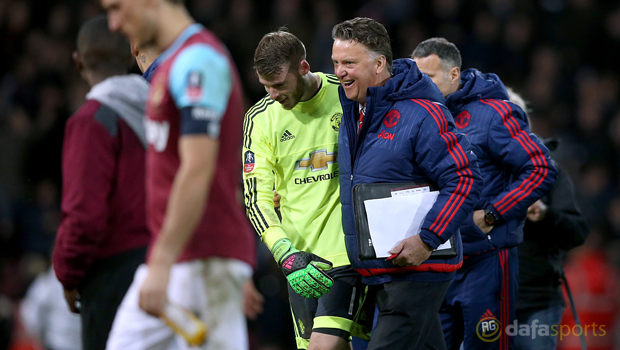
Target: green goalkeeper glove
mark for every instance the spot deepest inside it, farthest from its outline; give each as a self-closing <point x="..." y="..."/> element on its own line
<point x="305" y="272"/>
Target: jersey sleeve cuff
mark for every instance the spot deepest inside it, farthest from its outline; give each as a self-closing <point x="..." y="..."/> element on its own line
<point x="272" y="235"/>
<point x="430" y="238"/>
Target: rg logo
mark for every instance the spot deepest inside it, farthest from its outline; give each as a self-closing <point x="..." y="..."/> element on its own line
<point x="488" y="328"/>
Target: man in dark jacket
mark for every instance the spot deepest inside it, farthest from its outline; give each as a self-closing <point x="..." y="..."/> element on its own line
<point x="396" y="129"/>
<point x="103" y="235"/>
<point x="516" y="171"/>
<point x="554" y="225"/>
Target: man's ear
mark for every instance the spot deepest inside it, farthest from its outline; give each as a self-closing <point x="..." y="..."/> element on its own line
<point x="133" y="59"/>
<point x="304" y="67"/>
<point x="455" y="75"/>
<point x="77" y="59"/>
<point x="134" y="50"/>
<point x="381" y="64"/>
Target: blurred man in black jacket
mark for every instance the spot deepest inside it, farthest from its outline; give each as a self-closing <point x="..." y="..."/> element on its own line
<point x="554" y="225"/>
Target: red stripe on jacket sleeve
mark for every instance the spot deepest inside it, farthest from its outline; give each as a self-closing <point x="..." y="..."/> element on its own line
<point x="534" y="152"/>
<point x="465" y="175"/>
<point x="468" y="175"/>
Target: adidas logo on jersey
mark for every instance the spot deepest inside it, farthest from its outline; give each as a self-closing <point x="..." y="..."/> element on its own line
<point x="286" y="136"/>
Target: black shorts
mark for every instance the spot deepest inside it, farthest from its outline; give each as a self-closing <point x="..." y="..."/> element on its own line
<point x="341" y="312"/>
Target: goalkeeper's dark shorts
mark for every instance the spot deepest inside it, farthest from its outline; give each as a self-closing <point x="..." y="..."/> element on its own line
<point x="342" y="312"/>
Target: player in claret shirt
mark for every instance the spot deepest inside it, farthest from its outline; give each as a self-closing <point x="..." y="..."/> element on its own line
<point x="202" y="247"/>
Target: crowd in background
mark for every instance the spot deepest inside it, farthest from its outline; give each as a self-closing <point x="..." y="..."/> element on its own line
<point x="561" y="55"/>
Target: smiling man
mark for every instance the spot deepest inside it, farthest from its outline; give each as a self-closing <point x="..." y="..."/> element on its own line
<point x="395" y="129"/>
<point x="202" y="247"/>
<point x="290" y="142"/>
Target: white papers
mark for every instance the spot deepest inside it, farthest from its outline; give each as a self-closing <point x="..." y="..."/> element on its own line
<point x="409" y="191"/>
<point x="445" y="245"/>
<point x="390" y="220"/>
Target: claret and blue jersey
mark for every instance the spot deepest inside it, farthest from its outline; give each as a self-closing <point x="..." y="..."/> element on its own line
<point x="514" y="164"/>
<point x="196" y="91"/>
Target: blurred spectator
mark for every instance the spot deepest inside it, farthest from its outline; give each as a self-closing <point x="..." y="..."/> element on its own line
<point x="482" y="49"/>
<point x="320" y="49"/>
<point x="595" y="286"/>
<point x="6" y="322"/>
<point x="46" y="316"/>
<point x="553" y="226"/>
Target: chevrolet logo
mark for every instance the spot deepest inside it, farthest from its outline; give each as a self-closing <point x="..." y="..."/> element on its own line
<point x="318" y="160"/>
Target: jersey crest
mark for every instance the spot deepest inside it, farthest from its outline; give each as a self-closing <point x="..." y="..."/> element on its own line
<point x="462" y="120"/>
<point x="335" y="121"/>
<point x="391" y="119"/>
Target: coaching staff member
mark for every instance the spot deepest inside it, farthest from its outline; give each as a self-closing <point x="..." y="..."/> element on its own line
<point x="395" y="128"/>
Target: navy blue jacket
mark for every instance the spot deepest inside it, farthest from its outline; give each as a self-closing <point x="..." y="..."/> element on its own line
<point x="408" y="135"/>
<point x="514" y="163"/>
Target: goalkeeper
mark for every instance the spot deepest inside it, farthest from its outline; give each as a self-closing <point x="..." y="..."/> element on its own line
<point x="291" y="144"/>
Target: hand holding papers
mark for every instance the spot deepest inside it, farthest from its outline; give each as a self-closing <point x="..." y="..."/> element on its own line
<point x="392" y="219"/>
<point x="411" y="251"/>
<point x="387" y="213"/>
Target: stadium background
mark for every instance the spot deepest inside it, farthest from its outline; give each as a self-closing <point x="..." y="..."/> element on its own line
<point x="561" y="55"/>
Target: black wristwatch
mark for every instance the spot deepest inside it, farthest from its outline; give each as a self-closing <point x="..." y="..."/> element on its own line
<point x="490" y="218"/>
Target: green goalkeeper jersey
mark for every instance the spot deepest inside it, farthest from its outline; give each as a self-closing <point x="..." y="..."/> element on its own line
<point x="295" y="152"/>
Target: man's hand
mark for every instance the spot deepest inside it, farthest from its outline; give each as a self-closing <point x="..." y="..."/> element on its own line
<point x="72" y="297"/>
<point x="537" y="211"/>
<point x="305" y="272"/>
<point x="153" y="293"/>
<point x="276" y="199"/>
<point x="411" y="251"/>
<point x="252" y="300"/>
<point x="479" y="221"/>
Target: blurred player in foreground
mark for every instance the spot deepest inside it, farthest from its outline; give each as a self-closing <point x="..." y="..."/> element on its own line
<point x="148" y="61"/>
<point x="202" y="247"/>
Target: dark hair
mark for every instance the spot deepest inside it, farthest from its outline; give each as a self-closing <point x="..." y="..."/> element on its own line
<point x="101" y="49"/>
<point x="447" y="52"/>
<point x="367" y="32"/>
<point x="277" y="49"/>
